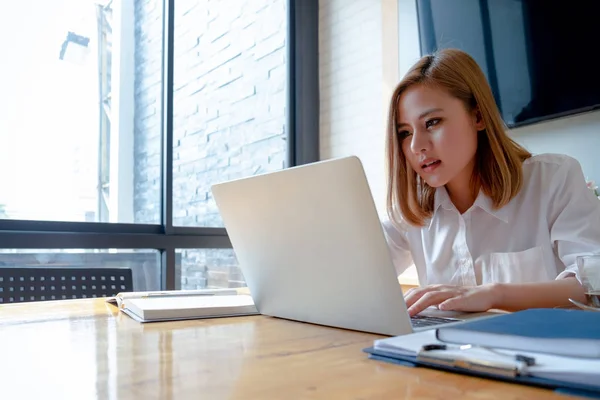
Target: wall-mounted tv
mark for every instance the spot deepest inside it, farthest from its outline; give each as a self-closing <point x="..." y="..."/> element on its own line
<point x="539" y="56"/>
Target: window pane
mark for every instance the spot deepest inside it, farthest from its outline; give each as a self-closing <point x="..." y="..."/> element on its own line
<point x="229" y="99"/>
<point x="79" y="110"/>
<point x="144" y="264"/>
<point x="208" y="268"/>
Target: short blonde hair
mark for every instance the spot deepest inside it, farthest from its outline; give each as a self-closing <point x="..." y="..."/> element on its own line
<point x="498" y="168"/>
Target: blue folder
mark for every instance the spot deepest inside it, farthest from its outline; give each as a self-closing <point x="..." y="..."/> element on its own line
<point x="568" y="388"/>
<point x="566" y="332"/>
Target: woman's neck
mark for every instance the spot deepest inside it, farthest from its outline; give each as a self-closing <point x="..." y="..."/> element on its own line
<point x="461" y="190"/>
<point x="462" y="201"/>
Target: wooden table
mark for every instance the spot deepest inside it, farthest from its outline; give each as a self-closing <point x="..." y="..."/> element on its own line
<point x="86" y="349"/>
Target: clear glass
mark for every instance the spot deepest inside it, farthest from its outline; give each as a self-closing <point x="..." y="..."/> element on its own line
<point x="209" y="269"/>
<point x="80" y="111"/>
<point x="144" y="263"/>
<point x="589" y="273"/>
<point x="229" y="99"/>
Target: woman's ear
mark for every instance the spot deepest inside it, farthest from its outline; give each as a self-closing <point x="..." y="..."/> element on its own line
<point x="478" y="119"/>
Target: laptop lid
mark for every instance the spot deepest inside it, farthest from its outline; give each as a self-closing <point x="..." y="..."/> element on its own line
<point x="311" y="247"/>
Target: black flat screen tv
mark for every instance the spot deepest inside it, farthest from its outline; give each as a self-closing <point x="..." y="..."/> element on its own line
<point x="539" y="56"/>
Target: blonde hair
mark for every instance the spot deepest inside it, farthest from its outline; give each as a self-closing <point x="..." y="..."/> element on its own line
<point x="498" y="166"/>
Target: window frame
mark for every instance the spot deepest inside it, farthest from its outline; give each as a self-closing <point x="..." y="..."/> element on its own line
<point x="302" y="136"/>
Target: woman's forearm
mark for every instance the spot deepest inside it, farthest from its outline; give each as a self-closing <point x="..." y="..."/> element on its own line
<point x="520" y="296"/>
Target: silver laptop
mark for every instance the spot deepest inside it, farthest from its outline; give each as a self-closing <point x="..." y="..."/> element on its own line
<point x="311" y="248"/>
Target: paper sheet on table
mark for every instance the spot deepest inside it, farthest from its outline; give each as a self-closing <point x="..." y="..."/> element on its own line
<point x="577" y="370"/>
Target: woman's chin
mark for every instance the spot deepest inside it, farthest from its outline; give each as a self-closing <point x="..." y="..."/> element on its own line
<point x="435" y="183"/>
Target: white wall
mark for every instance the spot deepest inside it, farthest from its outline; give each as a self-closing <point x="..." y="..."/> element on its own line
<point x="351" y="84"/>
<point x="577" y="136"/>
<point x="358" y="69"/>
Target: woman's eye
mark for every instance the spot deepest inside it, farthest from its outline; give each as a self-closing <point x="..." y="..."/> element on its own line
<point x="432" y="122"/>
<point x="403" y="134"/>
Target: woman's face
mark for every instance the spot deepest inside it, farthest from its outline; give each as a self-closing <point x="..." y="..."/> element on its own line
<point x="438" y="135"/>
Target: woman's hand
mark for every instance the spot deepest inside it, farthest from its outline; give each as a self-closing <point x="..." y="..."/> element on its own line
<point x="504" y="296"/>
<point x="457" y="298"/>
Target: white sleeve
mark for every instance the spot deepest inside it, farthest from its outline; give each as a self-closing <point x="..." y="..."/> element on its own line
<point x="398" y="245"/>
<point x="574" y="217"/>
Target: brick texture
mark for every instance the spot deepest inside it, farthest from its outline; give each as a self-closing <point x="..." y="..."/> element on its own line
<point x="229" y="113"/>
<point x="147" y="119"/>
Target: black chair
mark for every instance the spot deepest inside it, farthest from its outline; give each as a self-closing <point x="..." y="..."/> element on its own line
<point x="27" y="284"/>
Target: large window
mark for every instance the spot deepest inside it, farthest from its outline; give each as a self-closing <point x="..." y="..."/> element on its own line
<point x="209" y="268"/>
<point x="116" y="117"/>
<point x="80" y="127"/>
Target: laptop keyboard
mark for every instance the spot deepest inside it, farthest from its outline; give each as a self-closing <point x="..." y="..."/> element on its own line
<point x="420" y="321"/>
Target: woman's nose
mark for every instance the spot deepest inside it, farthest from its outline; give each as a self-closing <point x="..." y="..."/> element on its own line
<point x="419" y="142"/>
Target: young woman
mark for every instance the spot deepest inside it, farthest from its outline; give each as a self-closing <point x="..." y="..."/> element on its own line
<point x="486" y="224"/>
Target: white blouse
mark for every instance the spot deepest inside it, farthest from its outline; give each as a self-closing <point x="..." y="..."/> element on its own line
<point x="534" y="238"/>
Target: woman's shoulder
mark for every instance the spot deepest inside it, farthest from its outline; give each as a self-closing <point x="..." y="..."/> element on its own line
<point x="396" y="229"/>
<point x="549" y="159"/>
<point x="550" y="163"/>
<point x="553" y="172"/>
<point x="393" y="226"/>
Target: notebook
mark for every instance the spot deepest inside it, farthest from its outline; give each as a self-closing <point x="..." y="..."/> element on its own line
<point x="179" y="305"/>
<point x="572" y="333"/>
<point x="120" y="297"/>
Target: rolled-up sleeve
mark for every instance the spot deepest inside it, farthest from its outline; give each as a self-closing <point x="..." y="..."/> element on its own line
<point x="398" y="245"/>
<point x="574" y="217"/>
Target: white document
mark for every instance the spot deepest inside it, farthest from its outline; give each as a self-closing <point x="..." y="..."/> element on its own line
<point x="118" y="299"/>
<point x="567" y="369"/>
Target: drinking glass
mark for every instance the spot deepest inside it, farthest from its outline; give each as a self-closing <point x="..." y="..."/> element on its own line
<point x="589" y="272"/>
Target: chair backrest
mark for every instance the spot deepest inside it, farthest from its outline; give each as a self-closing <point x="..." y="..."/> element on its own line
<point x="41" y="284"/>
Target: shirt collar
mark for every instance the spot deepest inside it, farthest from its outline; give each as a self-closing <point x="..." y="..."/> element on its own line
<point x="486" y="204"/>
<point x="442" y="199"/>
